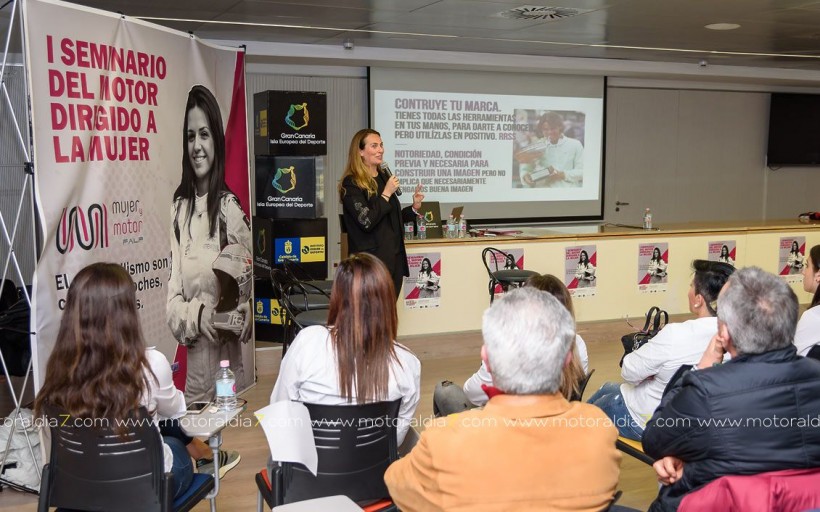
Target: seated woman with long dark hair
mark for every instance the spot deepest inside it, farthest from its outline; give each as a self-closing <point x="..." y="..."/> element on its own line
<point x="355" y="359"/>
<point x="99" y="369"/>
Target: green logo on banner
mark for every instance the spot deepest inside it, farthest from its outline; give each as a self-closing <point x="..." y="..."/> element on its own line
<point x="277" y="178"/>
<point x="305" y="116"/>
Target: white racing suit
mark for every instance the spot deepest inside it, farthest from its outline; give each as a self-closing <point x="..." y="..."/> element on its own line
<point x="193" y="285"/>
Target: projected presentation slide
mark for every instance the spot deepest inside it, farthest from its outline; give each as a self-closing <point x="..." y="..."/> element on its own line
<point x="490" y="148"/>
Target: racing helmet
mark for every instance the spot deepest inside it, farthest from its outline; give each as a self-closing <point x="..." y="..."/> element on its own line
<point x="234" y="274"/>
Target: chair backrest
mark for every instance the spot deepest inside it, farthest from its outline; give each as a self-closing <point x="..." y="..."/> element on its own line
<point x="279" y="280"/>
<point x="490" y="256"/>
<point x="94" y="466"/>
<point x="355" y="443"/>
<point x="814" y="353"/>
<point x="582" y="385"/>
<point x="299" y="296"/>
<point x="296" y="271"/>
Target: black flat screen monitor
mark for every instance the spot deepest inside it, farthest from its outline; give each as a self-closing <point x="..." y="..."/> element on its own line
<point x="794" y="130"/>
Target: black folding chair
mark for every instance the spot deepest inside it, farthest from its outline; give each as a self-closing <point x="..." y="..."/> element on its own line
<point x="303" y="303"/>
<point x="506" y="274"/>
<point x="814" y="353"/>
<point x="296" y="272"/>
<point x="95" y="467"/>
<point x="355" y="443"/>
<point x="583" y="386"/>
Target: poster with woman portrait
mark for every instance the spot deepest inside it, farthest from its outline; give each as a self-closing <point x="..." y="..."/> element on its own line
<point x="724" y="251"/>
<point x="422" y="289"/>
<point x="653" y="263"/>
<point x="514" y="259"/>
<point x="580" y="265"/>
<point x="791" y="258"/>
<point x="141" y="158"/>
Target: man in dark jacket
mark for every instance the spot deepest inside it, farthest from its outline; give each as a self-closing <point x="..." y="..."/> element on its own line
<point x="758" y="412"/>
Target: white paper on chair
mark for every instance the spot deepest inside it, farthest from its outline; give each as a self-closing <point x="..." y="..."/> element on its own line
<point x="287" y="426"/>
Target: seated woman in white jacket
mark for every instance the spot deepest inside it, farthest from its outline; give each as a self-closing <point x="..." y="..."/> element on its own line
<point x="572" y="375"/>
<point x="808" y="328"/>
<point x="356" y="358"/>
<point x="647" y="370"/>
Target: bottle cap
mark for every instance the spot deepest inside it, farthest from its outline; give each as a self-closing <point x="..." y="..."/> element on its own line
<point x="225" y="363"/>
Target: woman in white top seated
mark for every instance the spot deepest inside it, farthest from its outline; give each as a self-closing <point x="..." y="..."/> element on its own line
<point x="808" y="328"/>
<point x="572" y="374"/>
<point x="356" y="358"/>
<point x="648" y="369"/>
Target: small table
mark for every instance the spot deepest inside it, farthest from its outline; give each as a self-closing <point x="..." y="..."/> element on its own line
<point x="210" y="423"/>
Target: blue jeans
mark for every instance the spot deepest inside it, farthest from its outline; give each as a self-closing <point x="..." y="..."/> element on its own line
<point x="610" y="400"/>
<point x="182" y="469"/>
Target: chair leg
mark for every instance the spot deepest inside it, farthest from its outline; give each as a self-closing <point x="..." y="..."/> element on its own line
<point x="286" y="335"/>
<point x="45" y="485"/>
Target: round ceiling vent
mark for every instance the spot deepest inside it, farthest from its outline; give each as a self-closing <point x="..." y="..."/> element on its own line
<point x="536" y="12"/>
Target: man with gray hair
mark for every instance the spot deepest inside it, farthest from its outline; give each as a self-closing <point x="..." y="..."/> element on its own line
<point x="757" y="413"/>
<point x="528" y="448"/>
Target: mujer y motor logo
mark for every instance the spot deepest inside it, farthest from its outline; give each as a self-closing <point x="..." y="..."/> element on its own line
<point x="88" y="229"/>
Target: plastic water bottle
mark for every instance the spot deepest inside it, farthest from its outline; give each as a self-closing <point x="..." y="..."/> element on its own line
<point x="647" y="219"/>
<point x="225" y="387"/>
<point x="421" y="229"/>
<point x="462" y="227"/>
<point x="451" y="227"/>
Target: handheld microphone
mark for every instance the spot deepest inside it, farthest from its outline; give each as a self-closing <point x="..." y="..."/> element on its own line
<point x="386" y="170"/>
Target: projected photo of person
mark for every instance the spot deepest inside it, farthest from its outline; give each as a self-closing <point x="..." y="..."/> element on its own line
<point x="427" y="281"/>
<point x="554" y="158"/>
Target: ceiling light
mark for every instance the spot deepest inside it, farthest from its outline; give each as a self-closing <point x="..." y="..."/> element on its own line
<point x="722" y="26"/>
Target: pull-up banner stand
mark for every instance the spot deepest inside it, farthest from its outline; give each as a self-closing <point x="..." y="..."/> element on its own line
<point x="126" y="118"/>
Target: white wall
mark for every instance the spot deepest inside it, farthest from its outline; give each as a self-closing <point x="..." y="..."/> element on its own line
<point x="688" y="142"/>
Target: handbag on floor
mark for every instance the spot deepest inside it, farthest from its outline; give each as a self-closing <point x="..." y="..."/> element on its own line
<point x="656" y="319"/>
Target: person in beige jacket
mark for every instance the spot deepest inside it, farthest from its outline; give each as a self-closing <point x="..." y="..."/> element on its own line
<point x="529" y="448"/>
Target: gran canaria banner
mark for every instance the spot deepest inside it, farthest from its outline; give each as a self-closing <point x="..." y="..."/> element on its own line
<point x="141" y="159"/>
